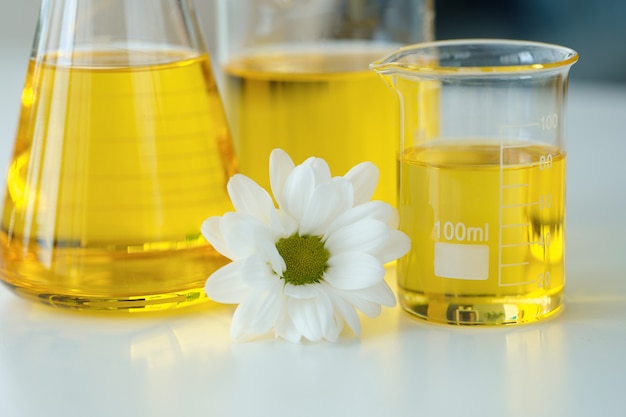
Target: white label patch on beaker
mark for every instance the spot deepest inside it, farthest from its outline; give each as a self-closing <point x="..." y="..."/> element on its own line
<point x="461" y="261"/>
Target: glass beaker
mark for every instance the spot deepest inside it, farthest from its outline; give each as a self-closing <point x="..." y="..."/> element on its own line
<point x="122" y="150"/>
<point x="295" y="75"/>
<point x="482" y="178"/>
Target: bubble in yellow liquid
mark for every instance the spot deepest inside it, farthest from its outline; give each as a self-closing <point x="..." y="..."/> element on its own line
<point x="323" y="102"/>
<point x="487" y="238"/>
<point x="115" y="167"/>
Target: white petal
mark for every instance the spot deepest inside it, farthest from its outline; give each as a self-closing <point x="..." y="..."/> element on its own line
<point x="283" y="224"/>
<point x="321" y="170"/>
<point x="241" y="325"/>
<point x="281" y="166"/>
<point x="211" y="230"/>
<point x="369" y="236"/>
<point x="368" y="308"/>
<point x="257" y="274"/>
<point x="349" y="315"/>
<point x="226" y="285"/>
<point x="248" y="197"/>
<point x="353" y="270"/>
<point x="313" y="318"/>
<point x="333" y="334"/>
<point x="394" y="219"/>
<point x="327" y="202"/>
<point x="276" y="262"/>
<point x="376" y="210"/>
<point x="257" y="314"/>
<point x="397" y="246"/>
<point x="379" y="294"/>
<point x="322" y="207"/>
<point x="369" y="300"/>
<point x="364" y="178"/>
<point x="298" y="190"/>
<point x="286" y="329"/>
<point x="328" y="319"/>
<point x="344" y="311"/>
<point x="231" y="230"/>
<point x="268" y="309"/>
<point x="244" y="234"/>
<point x="302" y="292"/>
<point x="303" y="319"/>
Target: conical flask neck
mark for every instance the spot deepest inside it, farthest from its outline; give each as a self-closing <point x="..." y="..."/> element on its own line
<point x="66" y="27"/>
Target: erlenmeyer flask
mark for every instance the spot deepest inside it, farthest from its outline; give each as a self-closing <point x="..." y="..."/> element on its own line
<point x="122" y="150"/>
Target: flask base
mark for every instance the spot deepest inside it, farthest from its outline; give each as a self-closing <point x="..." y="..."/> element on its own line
<point x="108" y="278"/>
<point x="481" y="310"/>
<point x="140" y="303"/>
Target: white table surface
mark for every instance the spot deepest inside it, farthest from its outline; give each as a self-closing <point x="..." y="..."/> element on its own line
<point x="56" y="363"/>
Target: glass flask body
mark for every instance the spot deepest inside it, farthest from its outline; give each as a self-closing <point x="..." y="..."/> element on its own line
<point x="295" y="75"/>
<point x="122" y="150"/>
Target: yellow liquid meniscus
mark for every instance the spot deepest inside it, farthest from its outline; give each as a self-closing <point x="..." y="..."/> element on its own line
<point x="487" y="237"/>
<point x="324" y="103"/>
<point x="115" y="167"/>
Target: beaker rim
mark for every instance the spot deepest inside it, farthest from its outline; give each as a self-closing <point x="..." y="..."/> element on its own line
<point x="497" y="57"/>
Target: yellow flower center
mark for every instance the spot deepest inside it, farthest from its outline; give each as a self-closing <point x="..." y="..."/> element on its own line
<point x="305" y="258"/>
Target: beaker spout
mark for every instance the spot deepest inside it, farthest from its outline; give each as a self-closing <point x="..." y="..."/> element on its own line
<point x="408" y="59"/>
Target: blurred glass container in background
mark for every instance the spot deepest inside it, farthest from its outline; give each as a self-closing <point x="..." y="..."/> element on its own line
<point x="294" y="74"/>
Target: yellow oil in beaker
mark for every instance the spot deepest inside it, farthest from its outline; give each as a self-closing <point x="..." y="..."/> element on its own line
<point x="323" y="102"/>
<point x="115" y="167"/>
<point x="492" y="219"/>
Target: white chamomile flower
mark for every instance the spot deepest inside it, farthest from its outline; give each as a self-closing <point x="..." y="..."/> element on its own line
<point x="303" y="269"/>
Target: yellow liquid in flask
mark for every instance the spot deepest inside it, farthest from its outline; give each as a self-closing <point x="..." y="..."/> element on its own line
<point x="487" y="239"/>
<point x="115" y="167"/>
<point x="323" y="103"/>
